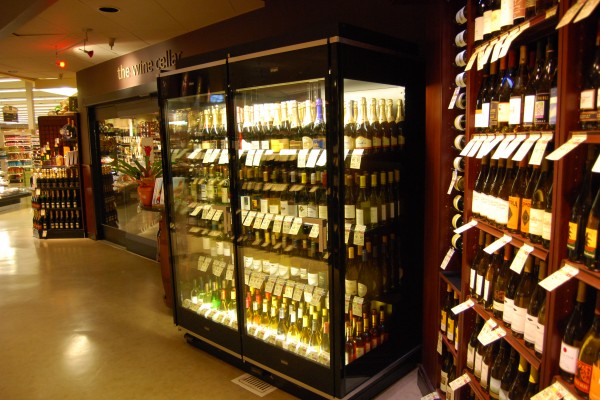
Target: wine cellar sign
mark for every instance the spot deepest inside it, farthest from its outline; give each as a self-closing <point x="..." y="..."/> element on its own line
<point x="169" y="59"/>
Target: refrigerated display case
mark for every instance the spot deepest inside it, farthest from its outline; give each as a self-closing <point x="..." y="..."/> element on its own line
<point x="321" y="258"/>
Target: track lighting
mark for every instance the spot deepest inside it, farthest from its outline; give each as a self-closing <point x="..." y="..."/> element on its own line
<point x="90" y="53"/>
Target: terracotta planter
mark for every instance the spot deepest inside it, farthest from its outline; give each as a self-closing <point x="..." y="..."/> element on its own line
<point x="145" y="194"/>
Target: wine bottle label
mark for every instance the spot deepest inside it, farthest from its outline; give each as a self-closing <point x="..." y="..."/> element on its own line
<point x="519" y="9"/>
<point x="443" y="380"/>
<point x="349" y="211"/>
<point x="485" y="115"/>
<point x="323" y="212"/>
<point x="478" y="118"/>
<point x="528" y="109"/>
<point x="568" y="358"/>
<point x="503" y="112"/>
<point x="479" y="285"/>
<point x="506" y="13"/>
<point x="292" y="210"/>
<point x="443" y="321"/>
<point x="487" y="23"/>
<point x="587" y="101"/>
<point x="536" y="222"/>
<point x="553" y="103"/>
<point x="484" y="375"/>
<point x="572" y="239"/>
<point x="539" y="337"/>
<point x="450" y="329"/>
<point x="351" y="287"/>
<point x="361" y="289"/>
<point x="384" y="208"/>
<point x="478" y="364"/>
<point x="283" y="206"/>
<point x="486" y="291"/>
<point x="583" y="376"/>
<point x="542" y="108"/>
<point x="475" y="205"/>
<point x="525" y="211"/>
<point x="494" y="387"/>
<point x="386" y="142"/>
<point x="264" y="206"/>
<point x="307" y="142"/>
<point x="513" y="212"/>
<point x="360" y="216"/>
<point x="484" y="206"/>
<point x="547" y="225"/>
<point x="591" y="240"/>
<point x="377" y="143"/>
<point x="478" y="29"/>
<point x="363" y="143"/>
<point x="515" y="110"/>
<point x="284" y="143"/>
<point x="530" y="328"/>
<point x="374" y="215"/>
<point x="507" y="315"/>
<point x="496" y="16"/>
<point x="503" y="212"/>
<point x="498" y="305"/>
<point x="503" y="395"/>
<point x="470" y="357"/>
<point x="472" y="279"/>
<point x="360" y="351"/>
<point x="313" y="211"/>
<point x="518" y="319"/>
<point x="273" y="209"/>
<point x="494" y="114"/>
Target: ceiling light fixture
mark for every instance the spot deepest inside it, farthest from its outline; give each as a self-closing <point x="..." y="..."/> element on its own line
<point x="110" y="10"/>
<point x="90" y="53"/>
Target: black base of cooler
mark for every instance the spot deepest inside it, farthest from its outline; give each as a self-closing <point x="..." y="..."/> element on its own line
<point x="59" y="234"/>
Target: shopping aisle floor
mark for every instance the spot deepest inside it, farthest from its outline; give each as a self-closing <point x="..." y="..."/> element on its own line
<point x="82" y="319"/>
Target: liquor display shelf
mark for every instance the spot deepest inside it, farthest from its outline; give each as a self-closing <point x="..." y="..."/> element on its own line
<point x="449" y="346"/>
<point x="453" y="279"/>
<point x="569" y="386"/>
<point x="480" y="393"/>
<point x="517" y="344"/>
<point x="58" y="233"/>
<point x="516" y="241"/>
<point x="586" y="275"/>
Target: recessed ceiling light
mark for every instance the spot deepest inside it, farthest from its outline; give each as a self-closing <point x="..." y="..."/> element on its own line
<point x="108" y="9"/>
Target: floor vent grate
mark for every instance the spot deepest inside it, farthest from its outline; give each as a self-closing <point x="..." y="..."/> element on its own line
<point x="254" y="385"/>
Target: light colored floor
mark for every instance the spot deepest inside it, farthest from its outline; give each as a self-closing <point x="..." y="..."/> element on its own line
<point x="81" y="319"/>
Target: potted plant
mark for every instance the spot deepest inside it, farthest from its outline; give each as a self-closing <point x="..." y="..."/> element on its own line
<point x="144" y="175"/>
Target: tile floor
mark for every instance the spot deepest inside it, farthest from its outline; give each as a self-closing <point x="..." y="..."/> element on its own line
<point x="82" y="319"/>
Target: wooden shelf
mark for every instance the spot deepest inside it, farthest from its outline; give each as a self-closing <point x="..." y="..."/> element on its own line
<point x="480" y="393"/>
<point x="569" y="386"/>
<point x="517" y="240"/>
<point x="453" y="279"/>
<point x="591" y="278"/>
<point x="441" y="394"/>
<point x="517" y="344"/>
<point x="450" y="347"/>
<point x="593" y="137"/>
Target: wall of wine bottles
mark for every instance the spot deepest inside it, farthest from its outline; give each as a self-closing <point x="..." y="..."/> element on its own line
<point x="56" y="203"/>
<point x="528" y="222"/>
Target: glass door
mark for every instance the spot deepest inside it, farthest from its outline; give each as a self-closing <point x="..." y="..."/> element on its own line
<point x="199" y="205"/>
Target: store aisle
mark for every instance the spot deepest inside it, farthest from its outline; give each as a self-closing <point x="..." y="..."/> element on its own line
<point x="85" y="320"/>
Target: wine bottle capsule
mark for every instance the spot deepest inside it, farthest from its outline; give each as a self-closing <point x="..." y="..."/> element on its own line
<point x="459" y="142"/>
<point x="460" y="39"/>
<point x="459" y="164"/>
<point x="457" y="202"/>
<point x="461" y="16"/>
<point x="461" y="79"/>
<point x="461" y="59"/>
<point x="457" y="221"/>
<point x="461" y="101"/>
<point x="457" y="241"/>
<point x="459" y="122"/>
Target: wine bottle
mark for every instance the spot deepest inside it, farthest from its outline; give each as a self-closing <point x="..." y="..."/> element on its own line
<point x="487" y="20"/>
<point x="350" y="347"/>
<point x="496" y="17"/>
<point x="506" y="14"/>
<point x="472" y="346"/>
<point x="501" y="280"/>
<point x="363" y="205"/>
<point x="539" y="331"/>
<point x="363" y="138"/>
<point x="486" y="365"/>
<point x="349" y="201"/>
<point x="544" y="91"/>
<point x="477" y="201"/>
<point x="479" y="353"/>
<point x="590" y="247"/>
<point x="375" y="202"/>
<point x="538" y="297"/>
<point x="375" y="127"/>
<point x="518" y="11"/>
<point x="573" y="337"/>
<point x="482" y="109"/>
<point x="522" y="299"/>
<point x="588" y="354"/>
<point x="475" y="263"/>
<point x="502" y="197"/>
<point x="579" y="214"/>
<point x="486" y="210"/>
<point x="445" y="310"/>
<point x="509" y="297"/>
<point x="505" y="88"/>
<point x="509" y="374"/>
<point x="451" y="321"/>
<point x="516" y="195"/>
<point x="526" y="201"/>
<point x="538" y="204"/>
<point x="547" y="221"/>
<point x="386" y="133"/>
<point x="498" y="368"/>
<point x="517" y="97"/>
<point x="451" y="377"/>
<point x="482" y="267"/>
<point x="480" y="8"/>
<point x="492" y="115"/>
<point x="349" y="126"/>
<point x="589" y="99"/>
<point x="533" y="385"/>
<point x="351" y="279"/>
<point x="519" y="384"/>
<point x="447" y="365"/>
<point x="492" y="272"/>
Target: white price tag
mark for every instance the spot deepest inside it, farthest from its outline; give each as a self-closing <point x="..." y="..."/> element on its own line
<point x="569" y="145"/>
<point x="257" y="158"/>
<point x="356" y="158"/>
<point x="525" y="147"/>
<point x="502" y="147"/>
<point x="551" y="12"/>
<point x="476" y="146"/>
<point x="296" y="225"/>
<point x="540" y="148"/>
<point x="207" y="156"/>
<point x="490" y="146"/>
<point x="512" y="146"/>
<point x="466" y="227"/>
<point x="559" y="277"/>
<point x="302" y="155"/>
<point x="317" y="296"/>
<point x="519" y="260"/>
<point x="348" y="229"/>
<point x="249" y="218"/>
<point x="322" y="159"/>
<point x="218" y="268"/>
<point x="279" y="287"/>
<point x="447" y="259"/>
<point x="498" y="244"/>
<point x="570" y="14"/>
<point x="555" y="391"/>
<point x="346" y="304"/>
<point x="267" y="221"/>
<point x="473" y="58"/>
<point x="250" y="157"/>
<point x="288" y="291"/>
<point x="469" y="145"/>
<point x="490" y="333"/>
<point x="460" y="382"/>
<point x="277" y="224"/>
<point x="357" y="305"/>
<point x="193" y="154"/>
<point x="454" y="97"/>
<point x="463" y="306"/>
<point x="484" y="145"/>
<point x="270" y="284"/>
<point x="498" y="48"/>
<point x="359" y="235"/>
<point x="205" y="264"/>
<point x="298" y="291"/>
<point x="481" y="57"/>
<point x="287" y="224"/>
<point x="196" y="211"/>
<point x="453" y="181"/>
<point x="200" y="262"/>
<point x="224" y="159"/>
<point x="217" y="215"/>
<point x="211" y="213"/>
<point x="431" y="396"/>
<point x="508" y="41"/>
<point x="258" y="220"/>
<point x="314" y="231"/>
<point x="596" y="167"/>
<point x="229" y="272"/>
<point x="312" y="158"/>
<point x="214" y="155"/>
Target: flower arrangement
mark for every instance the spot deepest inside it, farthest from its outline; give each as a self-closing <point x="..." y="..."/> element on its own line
<point x="143" y="174"/>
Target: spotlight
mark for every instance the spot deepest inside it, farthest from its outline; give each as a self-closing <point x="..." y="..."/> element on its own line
<point x="62" y="64"/>
<point x="90" y="53"/>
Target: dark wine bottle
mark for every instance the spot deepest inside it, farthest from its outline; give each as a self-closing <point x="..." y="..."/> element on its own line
<point x="580" y="212"/>
<point x="588" y="356"/>
<point x="538" y="204"/>
<point x="475" y="263"/>
<point x="590" y="247"/>
<point x="517" y="97"/>
<point x="573" y="337"/>
<point x="589" y="99"/>
<point x="519" y="384"/>
<point x="498" y="368"/>
<point x="538" y="297"/>
<point x="509" y="374"/>
<point x="516" y="195"/>
<point x="501" y="280"/>
<point x="522" y="299"/>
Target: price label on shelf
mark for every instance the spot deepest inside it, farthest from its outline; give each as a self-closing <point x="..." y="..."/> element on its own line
<point x="194" y="229"/>
<point x="439" y="343"/>
<point x="278" y="223"/>
<point x="571" y="13"/>
<point x="193" y="154"/>
<point x="454" y="97"/>
<point x="460" y="382"/>
<point x="257" y="158"/>
<point x="476" y="146"/>
<point x="485" y="56"/>
<point x="499" y="243"/>
<point x="287" y="223"/>
<point x="278" y="287"/>
<point x="356" y="158"/>
<point x="473" y="58"/>
<point x="298" y="291"/>
<point x="250" y="157"/>
<point x="453" y="181"/>
<point x="270" y="285"/>
<point x="559" y="277"/>
<point x="317" y="295"/>
<point x="249" y="218"/>
<point x="466" y="227"/>
<point x="214" y="155"/>
<point x="258" y="220"/>
<point x="211" y="214"/>
<point x="296" y="225"/>
<point x="447" y="259"/>
<point x="302" y="156"/>
<point x="512" y="146"/>
<point x="348" y="229"/>
<point x="596" y="167"/>
<point x="540" y="148"/>
<point x="525" y="147"/>
<point x="519" y="260"/>
<point x="347" y="303"/>
<point x="508" y="41"/>
<point x="217" y="216"/>
<point x="322" y="159"/>
<point x="431" y="396"/>
<point x="288" y="291"/>
<point x="551" y="12"/>
<point x="256" y="279"/>
<point x="229" y="272"/>
<point x="196" y="211"/>
<point x="359" y="235"/>
<point x="224" y="158"/>
<point x="490" y="332"/>
<point x="484" y="145"/>
<point x="218" y="268"/>
<point x="555" y="391"/>
<point x="489" y="146"/>
<point x="266" y="221"/>
<point x="206" y="158"/>
<point x="568" y="146"/>
<point x="469" y="145"/>
<point x="502" y="147"/>
<point x="312" y="158"/>
<point x="205" y="264"/>
<point x="314" y="231"/>
<point x="463" y="306"/>
<point x="498" y="48"/>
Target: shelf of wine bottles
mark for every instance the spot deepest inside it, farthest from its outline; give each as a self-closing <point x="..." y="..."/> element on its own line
<point x="449" y="321"/>
<point x="110" y="214"/>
